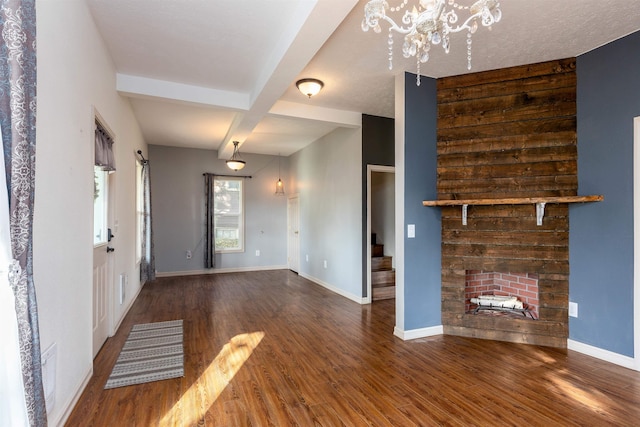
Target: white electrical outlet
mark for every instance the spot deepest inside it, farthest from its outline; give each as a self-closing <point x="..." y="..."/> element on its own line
<point x="258" y="252"/>
<point x="306" y="257"/>
<point x="189" y="254"/>
<point x="324" y="263"/>
<point x="573" y="309"/>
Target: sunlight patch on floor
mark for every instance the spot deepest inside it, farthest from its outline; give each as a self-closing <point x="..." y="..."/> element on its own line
<point x="193" y="404"/>
<point x="593" y="399"/>
<point x="544" y="357"/>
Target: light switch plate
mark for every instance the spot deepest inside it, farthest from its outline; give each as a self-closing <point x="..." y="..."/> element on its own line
<point x="411" y="231"/>
<point x="573" y="309"/>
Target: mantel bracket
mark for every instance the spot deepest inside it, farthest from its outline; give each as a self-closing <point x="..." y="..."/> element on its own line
<point x="540" y="212"/>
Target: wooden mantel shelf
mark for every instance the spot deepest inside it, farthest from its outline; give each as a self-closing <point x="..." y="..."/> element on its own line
<point x="515" y="201"/>
<point x="540" y="203"/>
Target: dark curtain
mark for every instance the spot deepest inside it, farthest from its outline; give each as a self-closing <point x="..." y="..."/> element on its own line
<point x="104" y="149"/>
<point x="209" y="235"/>
<point x="18" y="126"/>
<point x="148" y="261"/>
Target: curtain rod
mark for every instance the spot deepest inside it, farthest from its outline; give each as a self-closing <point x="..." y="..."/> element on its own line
<point x="228" y="176"/>
<point x="142" y="157"/>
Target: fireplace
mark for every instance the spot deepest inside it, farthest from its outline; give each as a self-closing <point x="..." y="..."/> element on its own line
<point x="505" y="137"/>
<point x="523" y="287"/>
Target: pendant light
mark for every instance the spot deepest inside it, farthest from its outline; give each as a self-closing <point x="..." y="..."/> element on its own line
<point x="235" y="162"/>
<point x="279" y="184"/>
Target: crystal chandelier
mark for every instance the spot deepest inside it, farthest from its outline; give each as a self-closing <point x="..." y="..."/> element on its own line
<point x="430" y="23"/>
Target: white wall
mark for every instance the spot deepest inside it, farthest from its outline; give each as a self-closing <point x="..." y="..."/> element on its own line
<point x="327" y="177"/>
<point x="75" y="73"/>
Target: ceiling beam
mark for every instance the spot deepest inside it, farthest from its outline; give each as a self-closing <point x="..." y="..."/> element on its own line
<point x="349" y="119"/>
<point x="143" y="87"/>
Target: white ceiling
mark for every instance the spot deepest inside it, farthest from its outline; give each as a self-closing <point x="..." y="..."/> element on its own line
<point x="203" y="73"/>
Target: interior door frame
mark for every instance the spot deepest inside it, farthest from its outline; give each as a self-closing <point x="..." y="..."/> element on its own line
<point x="289" y="249"/>
<point x="370" y="169"/>
<point x="636" y="243"/>
<point x="111" y="197"/>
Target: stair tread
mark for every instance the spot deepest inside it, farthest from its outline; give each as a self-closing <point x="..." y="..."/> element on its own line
<point x="383" y="285"/>
<point x="384" y="292"/>
<point x="377" y="250"/>
<point x="382" y="270"/>
<point x="381" y="263"/>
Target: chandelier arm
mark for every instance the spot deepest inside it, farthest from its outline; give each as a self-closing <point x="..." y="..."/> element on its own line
<point x="466" y="24"/>
<point x="397" y="28"/>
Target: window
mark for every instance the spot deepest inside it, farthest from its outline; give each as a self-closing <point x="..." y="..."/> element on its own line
<point x="228" y="210"/>
<point x="100" y="205"/>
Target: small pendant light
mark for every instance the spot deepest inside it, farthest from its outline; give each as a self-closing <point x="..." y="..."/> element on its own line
<point x="279" y="184"/>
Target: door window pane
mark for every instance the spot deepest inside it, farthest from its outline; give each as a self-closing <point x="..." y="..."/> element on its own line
<point x="100" y="195"/>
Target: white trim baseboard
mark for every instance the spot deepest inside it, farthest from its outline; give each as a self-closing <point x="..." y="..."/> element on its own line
<point x="418" y="333"/>
<point x="220" y="270"/>
<point x="606" y="355"/>
<point x="341" y="292"/>
<point x="68" y="407"/>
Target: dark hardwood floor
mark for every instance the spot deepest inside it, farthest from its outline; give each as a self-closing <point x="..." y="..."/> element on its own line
<point x="273" y="349"/>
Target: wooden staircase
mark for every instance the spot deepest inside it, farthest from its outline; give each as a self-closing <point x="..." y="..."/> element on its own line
<point x="383" y="275"/>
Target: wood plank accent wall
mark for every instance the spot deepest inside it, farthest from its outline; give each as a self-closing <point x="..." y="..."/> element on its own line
<point x="501" y="134"/>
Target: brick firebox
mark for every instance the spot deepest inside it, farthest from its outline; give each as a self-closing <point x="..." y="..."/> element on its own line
<point x="524" y="286"/>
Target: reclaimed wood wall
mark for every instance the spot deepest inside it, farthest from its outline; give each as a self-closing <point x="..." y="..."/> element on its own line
<point x="501" y="134"/>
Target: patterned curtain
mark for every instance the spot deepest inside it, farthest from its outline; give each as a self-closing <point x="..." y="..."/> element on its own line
<point x="209" y="236"/>
<point x="13" y="407"/>
<point x="148" y="262"/>
<point x="18" y="123"/>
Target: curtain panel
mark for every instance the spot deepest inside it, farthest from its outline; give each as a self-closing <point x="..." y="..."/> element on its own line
<point x="209" y="236"/>
<point x="13" y="406"/>
<point x="18" y="127"/>
<point x="104" y="156"/>
<point x="148" y="261"/>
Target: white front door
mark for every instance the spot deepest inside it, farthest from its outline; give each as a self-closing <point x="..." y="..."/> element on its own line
<point x="102" y="274"/>
<point x="293" y="233"/>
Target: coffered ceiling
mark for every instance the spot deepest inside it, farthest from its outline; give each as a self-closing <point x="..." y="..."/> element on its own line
<point x="203" y="73"/>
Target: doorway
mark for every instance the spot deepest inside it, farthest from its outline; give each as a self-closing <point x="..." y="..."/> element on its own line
<point x="380" y="216"/>
<point x="103" y="277"/>
<point x="293" y="233"/>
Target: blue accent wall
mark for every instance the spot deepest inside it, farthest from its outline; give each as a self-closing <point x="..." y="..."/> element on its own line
<point x="601" y="234"/>
<point x="422" y="255"/>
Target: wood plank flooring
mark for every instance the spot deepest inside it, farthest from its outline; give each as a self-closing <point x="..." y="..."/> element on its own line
<point x="273" y="349"/>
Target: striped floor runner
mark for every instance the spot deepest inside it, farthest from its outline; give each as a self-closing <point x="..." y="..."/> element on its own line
<point x="152" y="352"/>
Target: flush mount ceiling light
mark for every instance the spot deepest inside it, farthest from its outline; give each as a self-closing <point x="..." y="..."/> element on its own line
<point x="235" y="162"/>
<point x="309" y="87"/>
<point x="429" y="23"/>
